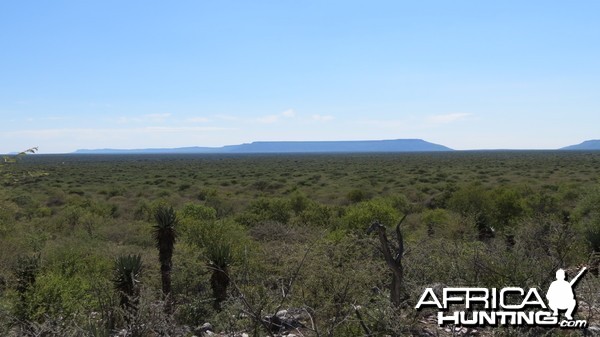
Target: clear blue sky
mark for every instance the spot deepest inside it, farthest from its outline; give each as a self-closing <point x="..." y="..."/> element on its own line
<point x="137" y="74"/>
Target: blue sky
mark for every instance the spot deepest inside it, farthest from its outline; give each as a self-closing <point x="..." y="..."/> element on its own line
<point x="137" y="74"/>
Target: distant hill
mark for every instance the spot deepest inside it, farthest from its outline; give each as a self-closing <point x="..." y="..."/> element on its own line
<point x="397" y="145"/>
<point x="587" y="145"/>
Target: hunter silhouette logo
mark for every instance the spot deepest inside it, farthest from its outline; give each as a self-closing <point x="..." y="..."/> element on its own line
<point x="560" y="294"/>
<point x="507" y="306"/>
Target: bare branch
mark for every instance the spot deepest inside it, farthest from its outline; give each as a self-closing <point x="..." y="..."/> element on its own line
<point x="361" y="321"/>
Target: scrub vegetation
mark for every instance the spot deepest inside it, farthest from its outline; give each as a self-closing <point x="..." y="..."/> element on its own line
<point x="157" y="245"/>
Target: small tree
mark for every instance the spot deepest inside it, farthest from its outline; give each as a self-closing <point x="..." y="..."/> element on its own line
<point x="165" y="236"/>
<point x="6" y="177"/>
<point x="393" y="259"/>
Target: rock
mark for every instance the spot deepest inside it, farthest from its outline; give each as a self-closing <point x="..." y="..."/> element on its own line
<point x="183" y="330"/>
<point x="594" y="329"/>
<point x="203" y="329"/>
<point x="274" y="323"/>
<point x="121" y="333"/>
<point x="438" y="289"/>
<point x="425" y="333"/>
<point x="285" y="320"/>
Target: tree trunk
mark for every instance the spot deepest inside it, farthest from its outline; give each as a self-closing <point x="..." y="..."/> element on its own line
<point x="398" y="291"/>
<point x="165" y="271"/>
<point x="393" y="261"/>
<point x="219" y="281"/>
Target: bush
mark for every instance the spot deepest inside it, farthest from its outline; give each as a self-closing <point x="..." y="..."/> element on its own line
<point x="356" y="195"/>
<point x="266" y="210"/>
<point x="592" y="235"/>
<point x="470" y="200"/>
<point x="473" y="201"/>
<point x="299" y="202"/>
<point x="435" y="220"/>
<point x="8" y="211"/>
<point x="199" y="212"/>
<point x="539" y="248"/>
<point x="588" y="206"/>
<point x="317" y="215"/>
<point x="587" y="215"/>
<point x="55" y="295"/>
<point x="540" y="204"/>
<point x="401" y="203"/>
<point x="208" y="234"/>
<point x="507" y="206"/>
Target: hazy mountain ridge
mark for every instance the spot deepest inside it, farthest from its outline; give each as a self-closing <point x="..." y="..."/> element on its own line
<point x="396" y="145"/>
<point x="593" y="144"/>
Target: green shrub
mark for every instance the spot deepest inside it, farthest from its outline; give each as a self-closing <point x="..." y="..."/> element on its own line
<point x="184" y="187"/>
<point x="507" y="206"/>
<point x="199" y="212"/>
<point x="206" y="194"/>
<point x="23" y="201"/>
<point x="470" y="199"/>
<point x="541" y="204"/>
<point x="191" y="286"/>
<point x="592" y="235"/>
<point x="473" y="201"/>
<point x="588" y="207"/>
<point x="71" y="215"/>
<point x="43" y="212"/>
<point x="145" y="210"/>
<point x="587" y="216"/>
<point x="55" y="295"/>
<point x="356" y="195"/>
<point x="317" y="215"/>
<point x="8" y="211"/>
<point x="266" y="210"/>
<point x="206" y="233"/>
<point x="401" y="203"/>
<point x="142" y="210"/>
<point x="73" y="256"/>
<point x="434" y="220"/>
<point x="299" y="202"/>
<point x="26" y="270"/>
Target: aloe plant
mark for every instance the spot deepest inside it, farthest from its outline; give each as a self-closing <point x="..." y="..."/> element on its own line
<point x="220" y="258"/>
<point x="165" y="237"/>
<point x="128" y="270"/>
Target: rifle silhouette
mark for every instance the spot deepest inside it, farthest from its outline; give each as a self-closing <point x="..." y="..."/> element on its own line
<point x="578" y="276"/>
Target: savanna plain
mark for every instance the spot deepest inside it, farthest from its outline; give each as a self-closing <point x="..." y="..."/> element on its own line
<point x="271" y="245"/>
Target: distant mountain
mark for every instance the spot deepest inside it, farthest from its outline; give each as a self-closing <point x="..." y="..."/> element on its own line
<point x="587" y="145"/>
<point x="397" y="145"/>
